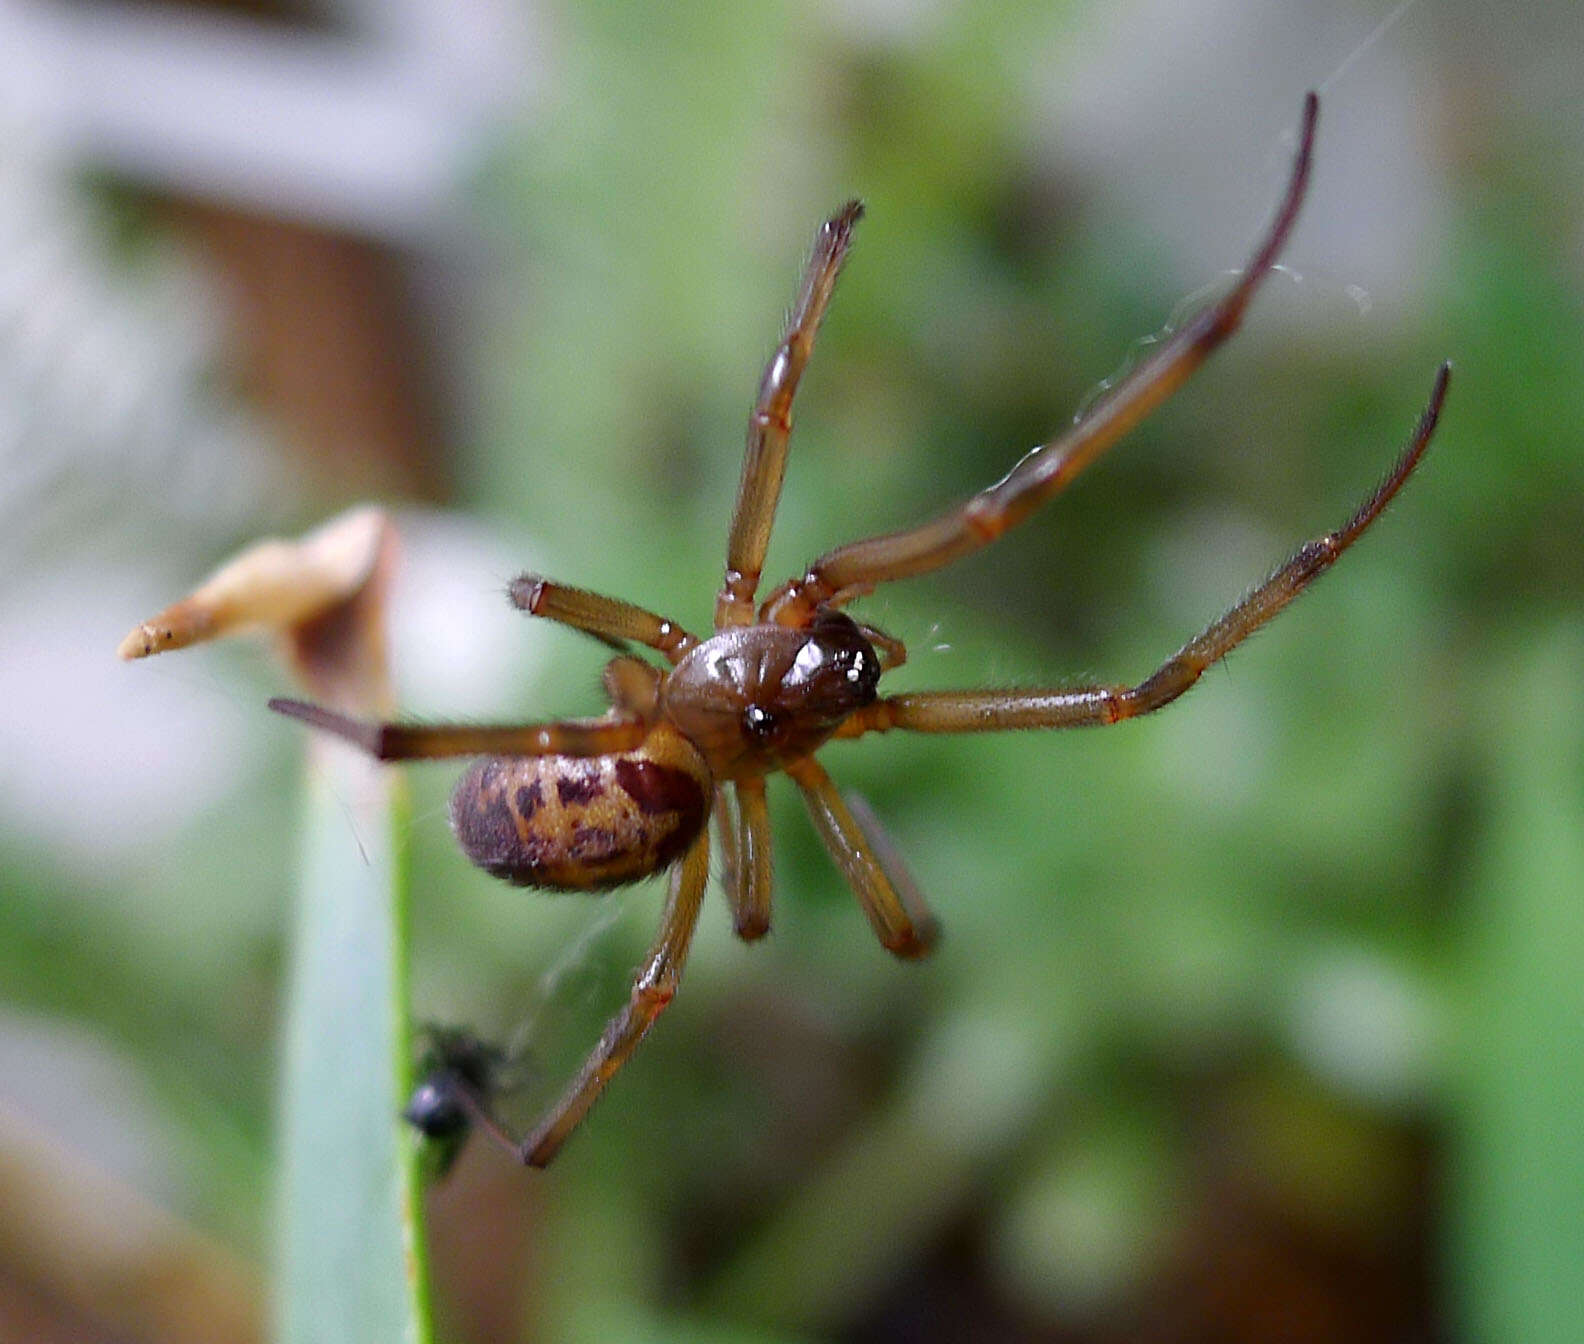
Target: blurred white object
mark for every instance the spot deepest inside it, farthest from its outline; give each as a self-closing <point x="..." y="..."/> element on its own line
<point x="113" y="430"/>
<point x="458" y="648"/>
<point x="105" y="387"/>
<point x="375" y="134"/>
<point x="1365" y="1024"/>
<point x="1185" y="109"/>
<point x="156" y="746"/>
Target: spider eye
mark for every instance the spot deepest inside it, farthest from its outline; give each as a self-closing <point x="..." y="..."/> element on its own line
<point x="760" y="722"/>
<point x="836" y="667"/>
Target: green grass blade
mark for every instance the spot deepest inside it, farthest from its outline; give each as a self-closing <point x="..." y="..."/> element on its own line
<point x="351" y="1262"/>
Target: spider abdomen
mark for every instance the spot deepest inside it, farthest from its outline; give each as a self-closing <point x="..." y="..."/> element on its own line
<point x="574" y="823"/>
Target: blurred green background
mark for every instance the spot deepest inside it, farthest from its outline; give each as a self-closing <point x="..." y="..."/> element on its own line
<point x="1260" y="1019"/>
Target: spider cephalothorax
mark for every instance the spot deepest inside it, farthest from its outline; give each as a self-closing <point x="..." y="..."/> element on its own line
<point x="595" y="803"/>
<point x="754" y="697"/>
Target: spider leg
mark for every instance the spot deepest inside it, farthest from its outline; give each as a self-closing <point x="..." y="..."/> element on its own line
<point x="770" y="424"/>
<point x="652" y="989"/>
<point x="745" y="828"/>
<point x="985" y="711"/>
<point x="727" y="822"/>
<point x="892" y="651"/>
<point x="606" y="618"/>
<point x="843" y="573"/>
<point x="420" y="741"/>
<point x="891" y="860"/>
<point x="861" y="862"/>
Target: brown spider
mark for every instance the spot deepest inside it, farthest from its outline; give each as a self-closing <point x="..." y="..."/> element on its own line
<point x="594" y="803"/>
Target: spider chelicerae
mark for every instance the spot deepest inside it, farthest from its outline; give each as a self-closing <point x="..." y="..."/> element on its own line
<point x="590" y="804"/>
